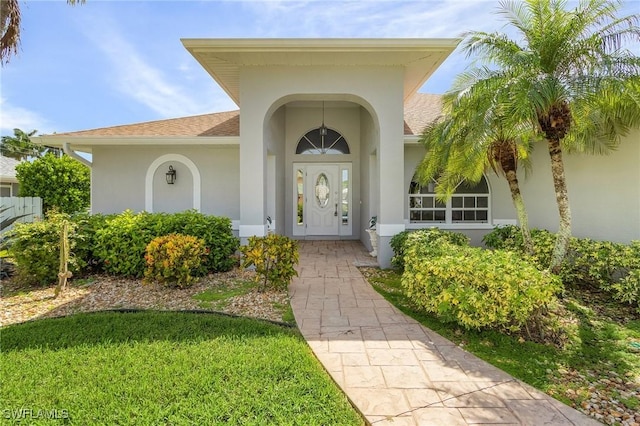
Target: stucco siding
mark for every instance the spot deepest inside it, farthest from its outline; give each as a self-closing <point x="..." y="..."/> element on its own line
<point x="118" y="179"/>
<point x="604" y="192"/>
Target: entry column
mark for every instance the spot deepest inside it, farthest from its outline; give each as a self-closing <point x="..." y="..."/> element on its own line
<point x="253" y="154"/>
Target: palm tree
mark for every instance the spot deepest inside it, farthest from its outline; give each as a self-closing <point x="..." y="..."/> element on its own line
<point x="475" y="135"/>
<point x="10" y="27"/>
<point x="566" y="68"/>
<point x="19" y="146"/>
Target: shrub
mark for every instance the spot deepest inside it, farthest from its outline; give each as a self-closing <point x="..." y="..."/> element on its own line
<point x="62" y="183"/>
<point x="87" y="225"/>
<point x="474" y="287"/>
<point x="175" y="259"/>
<point x="274" y="258"/>
<point x="35" y="247"/>
<point x="216" y="233"/>
<point x="509" y="237"/>
<point x="609" y="266"/>
<point x="121" y="243"/>
<point x="426" y="237"/>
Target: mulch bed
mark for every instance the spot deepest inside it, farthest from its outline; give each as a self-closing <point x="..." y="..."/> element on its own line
<point x="104" y="292"/>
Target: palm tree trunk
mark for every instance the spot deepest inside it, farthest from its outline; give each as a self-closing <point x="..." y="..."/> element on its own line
<point x="518" y="203"/>
<point x="562" y="199"/>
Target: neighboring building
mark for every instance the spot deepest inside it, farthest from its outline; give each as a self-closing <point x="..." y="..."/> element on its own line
<point x="8" y="181"/>
<point x="326" y="139"/>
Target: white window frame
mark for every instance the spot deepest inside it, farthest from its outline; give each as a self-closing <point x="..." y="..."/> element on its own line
<point x="7" y="185"/>
<point x="448" y="223"/>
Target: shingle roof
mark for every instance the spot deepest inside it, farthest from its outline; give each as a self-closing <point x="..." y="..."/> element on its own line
<point x="8" y="167"/>
<point x="420" y="110"/>
<point x="216" y="124"/>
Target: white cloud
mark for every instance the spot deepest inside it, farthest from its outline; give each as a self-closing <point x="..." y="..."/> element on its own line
<point x="133" y="76"/>
<point x="15" y="117"/>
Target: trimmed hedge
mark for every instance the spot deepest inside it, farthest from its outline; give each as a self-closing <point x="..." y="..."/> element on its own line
<point x="121" y="243"/>
<point x="612" y="267"/>
<point x="473" y="287"/>
<point x="35" y="247"/>
<point x="115" y="243"/>
<point x="399" y="240"/>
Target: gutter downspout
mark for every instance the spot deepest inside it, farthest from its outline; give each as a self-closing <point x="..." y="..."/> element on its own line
<point x="66" y="147"/>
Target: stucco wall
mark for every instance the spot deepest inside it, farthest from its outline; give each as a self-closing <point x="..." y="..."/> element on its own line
<point x="264" y="89"/>
<point x="604" y="192"/>
<point x="118" y="179"/>
<point x="369" y="184"/>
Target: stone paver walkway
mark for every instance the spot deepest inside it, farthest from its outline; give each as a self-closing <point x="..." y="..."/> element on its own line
<point x="394" y="370"/>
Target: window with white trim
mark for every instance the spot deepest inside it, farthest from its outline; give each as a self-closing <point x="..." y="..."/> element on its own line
<point x="322" y="141"/>
<point x="469" y="204"/>
<point x="6" y="190"/>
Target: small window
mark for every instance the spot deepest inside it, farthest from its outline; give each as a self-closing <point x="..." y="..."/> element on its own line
<point x="6" y="190"/>
<point x="469" y="204"/>
<point x="316" y="143"/>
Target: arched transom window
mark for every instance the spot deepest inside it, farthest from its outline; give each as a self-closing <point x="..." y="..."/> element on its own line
<point x="469" y="204"/>
<point x="322" y="141"/>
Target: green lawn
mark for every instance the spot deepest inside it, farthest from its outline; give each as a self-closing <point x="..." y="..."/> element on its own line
<point x="151" y="368"/>
<point x="601" y="343"/>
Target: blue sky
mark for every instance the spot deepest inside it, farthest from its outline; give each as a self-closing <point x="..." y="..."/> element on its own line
<point x="117" y="62"/>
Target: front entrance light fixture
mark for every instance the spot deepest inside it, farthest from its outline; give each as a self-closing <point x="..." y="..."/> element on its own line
<point x="323" y="129"/>
<point x="171" y="176"/>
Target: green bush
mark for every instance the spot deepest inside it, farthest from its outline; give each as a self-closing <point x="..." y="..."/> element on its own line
<point x="216" y="233"/>
<point x="426" y="236"/>
<point x="121" y="243"/>
<point x="609" y="266"/>
<point x="35" y="247"/>
<point x="87" y="225"/>
<point x="473" y="287"/>
<point x="274" y="258"/>
<point x="509" y="237"/>
<point x="175" y="260"/>
<point x="62" y="183"/>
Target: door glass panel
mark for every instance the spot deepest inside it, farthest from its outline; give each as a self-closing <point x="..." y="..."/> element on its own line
<point x="322" y="190"/>
<point x="300" y="193"/>
<point x="345" y="197"/>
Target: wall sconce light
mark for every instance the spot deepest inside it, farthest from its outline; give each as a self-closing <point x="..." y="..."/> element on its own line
<point x="171" y="176"/>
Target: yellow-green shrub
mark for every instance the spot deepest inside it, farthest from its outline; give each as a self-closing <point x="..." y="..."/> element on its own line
<point x="474" y="287"/>
<point x="426" y="236"/>
<point x="613" y="267"/>
<point x="274" y="258"/>
<point x="175" y="259"/>
<point x="35" y="247"/>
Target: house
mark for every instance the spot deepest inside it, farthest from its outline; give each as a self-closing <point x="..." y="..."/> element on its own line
<point x="325" y="139"/>
<point x="8" y="181"/>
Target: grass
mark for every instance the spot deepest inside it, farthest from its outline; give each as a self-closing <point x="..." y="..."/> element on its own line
<point x="599" y="341"/>
<point x="218" y="297"/>
<point x="150" y="368"/>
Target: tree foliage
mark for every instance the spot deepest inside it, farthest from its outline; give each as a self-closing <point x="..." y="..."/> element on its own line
<point x="62" y="183"/>
<point x="20" y="147"/>
<point x="475" y="135"/>
<point x="568" y="74"/>
<point x="10" y="18"/>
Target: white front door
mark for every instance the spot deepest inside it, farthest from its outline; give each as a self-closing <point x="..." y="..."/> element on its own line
<point x="322" y="196"/>
<point x="323" y="199"/>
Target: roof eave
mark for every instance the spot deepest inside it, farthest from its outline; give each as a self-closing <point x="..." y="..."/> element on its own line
<point x="223" y="58"/>
<point x="86" y="143"/>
